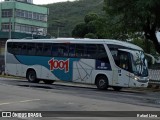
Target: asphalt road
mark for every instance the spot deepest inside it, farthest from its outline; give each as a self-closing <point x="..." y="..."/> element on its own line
<point x="19" y="95"/>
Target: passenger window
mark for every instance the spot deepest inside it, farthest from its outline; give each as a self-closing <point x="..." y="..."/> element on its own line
<point x="72" y="48"/>
<point x="31" y="49"/>
<point x="63" y="50"/>
<point x="80" y="50"/>
<point x="91" y="51"/>
<point x="39" y="49"/>
<point x="54" y="50"/>
<point x="16" y="48"/>
<point x="24" y="49"/>
<point x="47" y="49"/>
<point x="102" y="54"/>
<point x="9" y="47"/>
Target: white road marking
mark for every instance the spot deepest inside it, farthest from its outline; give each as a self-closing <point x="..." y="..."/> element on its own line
<point x="8" y="103"/>
<point x="29" y="100"/>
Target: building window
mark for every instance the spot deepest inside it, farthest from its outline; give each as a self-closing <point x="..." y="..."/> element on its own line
<point x="30" y="29"/>
<point x="31" y="15"/>
<point x="7" y="13"/>
<point x="17" y="28"/>
<point x="22" y="13"/>
<point x="6" y="26"/>
<point x="26" y="1"/>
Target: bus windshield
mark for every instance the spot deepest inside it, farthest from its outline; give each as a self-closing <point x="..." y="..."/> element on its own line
<point x="139" y="64"/>
<point x="131" y="60"/>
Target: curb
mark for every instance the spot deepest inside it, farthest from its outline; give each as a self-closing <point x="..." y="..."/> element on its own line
<point x="151" y="86"/>
<point x="154" y="86"/>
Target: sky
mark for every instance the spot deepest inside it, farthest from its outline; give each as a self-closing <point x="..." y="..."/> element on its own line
<point x="40" y="2"/>
<point x="49" y="1"/>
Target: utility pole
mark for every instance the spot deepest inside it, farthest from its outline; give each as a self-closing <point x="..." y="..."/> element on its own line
<point x="10" y="29"/>
<point x="58" y="32"/>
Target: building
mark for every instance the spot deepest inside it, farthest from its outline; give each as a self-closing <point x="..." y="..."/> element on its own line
<point x="21" y="19"/>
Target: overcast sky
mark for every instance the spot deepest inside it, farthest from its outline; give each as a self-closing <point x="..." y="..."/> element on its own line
<point x="49" y="1"/>
<point x="46" y="1"/>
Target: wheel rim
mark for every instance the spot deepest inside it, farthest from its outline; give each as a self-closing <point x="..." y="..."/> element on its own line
<point x="31" y="77"/>
<point x="102" y="83"/>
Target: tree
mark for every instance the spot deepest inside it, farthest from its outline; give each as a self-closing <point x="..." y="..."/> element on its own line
<point x="80" y="30"/>
<point x="90" y="17"/>
<point x="125" y="17"/>
<point x="93" y="27"/>
<point x="90" y="35"/>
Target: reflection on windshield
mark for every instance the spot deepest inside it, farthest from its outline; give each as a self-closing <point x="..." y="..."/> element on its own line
<point x="139" y="65"/>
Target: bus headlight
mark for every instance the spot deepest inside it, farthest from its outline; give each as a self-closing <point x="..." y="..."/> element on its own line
<point x="136" y="78"/>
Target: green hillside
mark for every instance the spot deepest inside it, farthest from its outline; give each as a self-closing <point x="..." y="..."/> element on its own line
<point x="64" y="16"/>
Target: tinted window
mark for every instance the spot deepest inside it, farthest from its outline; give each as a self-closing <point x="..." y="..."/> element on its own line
<point x="24" y="50"/>
<point x="63" y="50"/>
<point x="72" y="52"/>
<point x="9" y="47"/>
<point x="47" y="49"/>
<point x="91" y="50"/>
<point x="39" y="49"/>
<point x="54" y="49"/>
<point x="31" y="48"/>
<point x="101" y="54"/>
<point x="123" y="60"/>
<point x="80" y="50"/>
<point x="88" y="51"/>
<point x="16" y="47"/>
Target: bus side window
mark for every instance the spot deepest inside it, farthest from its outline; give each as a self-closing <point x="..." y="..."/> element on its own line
<point x="16" y="47"/>
<point x="24" y="49"/>
<point x="91" y="51"/>
<point x="102" y="54"/>
<point x="54" y="50"/>
<point x="9" y="47"/>
<point x="63" y="50"/>
<point x="80" y="48"/>
<point x="72" y="48"/>
<point x="47" y="49"/>
<point x="31" y="49"/>
<point x="39" y="49"/>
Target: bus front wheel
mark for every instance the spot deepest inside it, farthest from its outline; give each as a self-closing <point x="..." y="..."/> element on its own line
<point x="102" y="83"/>
<point x="31" y="76"/>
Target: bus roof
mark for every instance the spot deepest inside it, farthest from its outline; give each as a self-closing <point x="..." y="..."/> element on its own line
<point x="78" y="40"/>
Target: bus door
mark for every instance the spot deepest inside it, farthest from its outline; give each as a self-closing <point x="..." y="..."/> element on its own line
<point x="121" y="74"/>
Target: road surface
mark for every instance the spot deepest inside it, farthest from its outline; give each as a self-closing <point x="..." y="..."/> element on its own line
<point x="19" y="95"/>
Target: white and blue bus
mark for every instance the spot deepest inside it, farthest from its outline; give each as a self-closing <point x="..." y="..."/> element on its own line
<point x="105" y="63"/>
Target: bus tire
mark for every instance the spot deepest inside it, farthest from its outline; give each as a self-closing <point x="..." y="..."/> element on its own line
<point x="102" y="82"/>
<point x="32" y="77"/>
<point x="117" y="88"/>
<point x="48" y="81"/>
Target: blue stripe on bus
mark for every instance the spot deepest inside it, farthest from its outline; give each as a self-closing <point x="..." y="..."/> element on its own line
<point x="57" y="65"/>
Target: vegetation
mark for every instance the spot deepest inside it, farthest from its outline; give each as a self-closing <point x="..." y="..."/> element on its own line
<point x="89" y="28"/>
<point x="63" y="17"/>
<point x="131" y="20"/>
<point x="138" y="18"/>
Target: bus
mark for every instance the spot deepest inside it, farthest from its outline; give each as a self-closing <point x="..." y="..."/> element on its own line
<point x="102" y="62"/>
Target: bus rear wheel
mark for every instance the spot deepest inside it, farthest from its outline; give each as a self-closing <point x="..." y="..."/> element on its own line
<point x="31" y="76"/>
<point x="102" y="83"/>
<point x="48" y="81"/>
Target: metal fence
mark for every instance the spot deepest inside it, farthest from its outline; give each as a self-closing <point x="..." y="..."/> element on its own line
<point x="154" y="75"/>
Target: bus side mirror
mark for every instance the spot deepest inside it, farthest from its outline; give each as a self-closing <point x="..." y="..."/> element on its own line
<point x="150" y="59"/>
